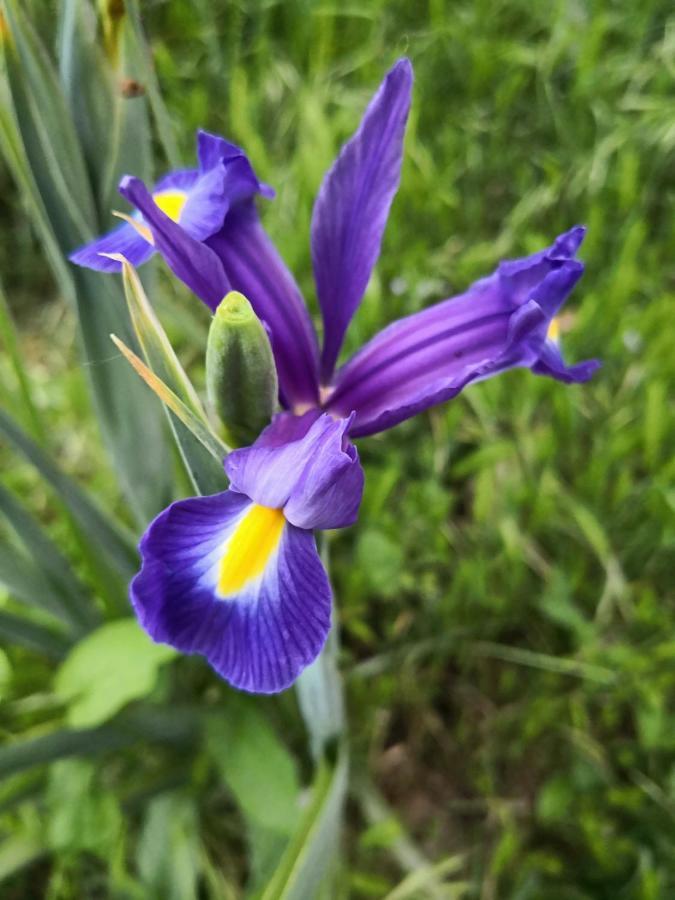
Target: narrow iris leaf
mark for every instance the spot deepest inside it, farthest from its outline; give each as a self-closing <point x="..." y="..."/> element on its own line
<point x="313" y="847"/>
<point x="205" y="472"/>
<point x="149" y="80"/>
<point x="192" y="422"/>
<point x="40" y="142"/>
<point x="144" y="723"/>
<point x="20" y="631"/>
<point x="111" y="539"/>
<point x="55" y="154"/>
<point x="46" y="558"/>
<point x="26" y="583"/>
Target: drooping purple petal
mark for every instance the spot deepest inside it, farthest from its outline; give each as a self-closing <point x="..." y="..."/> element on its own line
<point x="259" y="638"/>
<point x="190" y="260"/>
<point x="429" y="357"/>
<point x="317" y="480"/>
<point x="352" y="207"/>
<point x="124" y="239"/>
<point x="551" y="363"/>
<point x="254" y="268"/>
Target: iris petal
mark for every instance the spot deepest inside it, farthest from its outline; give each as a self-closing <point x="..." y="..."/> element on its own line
<point x="318" y="479"/>
<point x="124" y="239"/>
<point x="262" y="636"/>
<point x="352" y="207"/>
<point x="255" y="268"/>
<point x="500" y="322"/>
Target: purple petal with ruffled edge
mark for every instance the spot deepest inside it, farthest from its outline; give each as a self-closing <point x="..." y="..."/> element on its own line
<point x="352" y="207"/>
<point x="255" y="268"/>
<point x="259" y="639"/>
<point x="317" y="480"/>
<point x="224" y="178"/>
<point x="429" y="357"/>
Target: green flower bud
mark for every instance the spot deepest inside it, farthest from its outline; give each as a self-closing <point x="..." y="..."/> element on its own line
<point x="241" y="378"/>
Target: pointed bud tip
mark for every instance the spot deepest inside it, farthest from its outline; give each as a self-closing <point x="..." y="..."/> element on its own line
<point x="235" y="309"/>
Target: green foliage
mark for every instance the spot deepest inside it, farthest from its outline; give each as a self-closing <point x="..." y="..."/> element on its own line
<point x="505" y="602"/>
<point x="113" y="665"/>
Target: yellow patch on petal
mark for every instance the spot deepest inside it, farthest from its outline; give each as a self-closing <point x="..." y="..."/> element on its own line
<point x="249" y="548"/>
<point x="171" y="203"/>
<point x="553" y="333"/>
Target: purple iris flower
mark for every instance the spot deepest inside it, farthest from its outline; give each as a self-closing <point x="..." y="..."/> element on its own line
<point x="500" y="322"/>
<point x="197" y="199"/>
<point x="236" y="576"/>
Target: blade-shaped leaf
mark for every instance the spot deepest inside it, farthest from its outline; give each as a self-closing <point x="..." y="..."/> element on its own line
<point x="40" y="144"/>
<point x="15" y="630"/>
<point x="54" y="150"/>
<point x="27" y="583"/>
<point x="206" y="473"/>
<point x="75" y="602"/>
<point x="149" y="80"/>
<point x="312" y="849"/>
<point x="9" y="340"/>
<point x="261" y="774"/>
<point x="110" y="539"/>
<point x="144" y="723"/>
<point x="169" y="849"/>
<point x="196" y="426"/>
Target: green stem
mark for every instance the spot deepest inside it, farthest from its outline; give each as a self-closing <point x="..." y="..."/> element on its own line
<point x="320" y="689"/>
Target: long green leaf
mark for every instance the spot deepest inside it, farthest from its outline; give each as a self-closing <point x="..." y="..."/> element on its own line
<point x="27" y="583"/>
<point x="38" y="149"/>
<point x="194" y="423"/>
<point x="205" y="472"/>
<point x="145" y="723"/>
<point x="111" y="540"/>
<point x="8" y="337"/>
<point x="312" y="849"/>
<point x="75" y="602"/>
<point x="54" y="151"/>
<point x="16" y="630"/>
<point x="149" y="80"/>
<point x="319" y="687"/>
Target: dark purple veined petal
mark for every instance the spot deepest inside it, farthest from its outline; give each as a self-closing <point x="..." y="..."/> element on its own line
<point x="352" y="207"/>
<point x="190" y="260"/>
<point x="317" y="480"/>
<point x="427" y="358"/>
<point x="254" y="268"/>
<point x="259" y="626"/>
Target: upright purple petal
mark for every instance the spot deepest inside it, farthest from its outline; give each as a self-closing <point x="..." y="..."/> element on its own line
<point x="189" y="259"/>
<point x="259" y="636"/>
<point x="254" y="268"/>
<point x="427" y="358"/>
<point x="352" y="207"/>
<point x="317" y="480"/>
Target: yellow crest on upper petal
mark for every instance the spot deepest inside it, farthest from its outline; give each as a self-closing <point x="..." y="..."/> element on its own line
<point x="171" y="203"/>
<point x="249" y="548"/>
<point x="553" y="333"/>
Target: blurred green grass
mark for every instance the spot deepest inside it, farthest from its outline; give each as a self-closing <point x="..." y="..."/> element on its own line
<point x="507" y="597"/>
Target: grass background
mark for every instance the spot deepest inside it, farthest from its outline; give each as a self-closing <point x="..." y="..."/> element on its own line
<point x="506" y="599"/>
